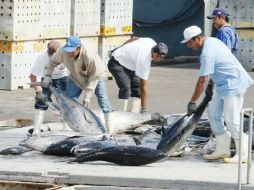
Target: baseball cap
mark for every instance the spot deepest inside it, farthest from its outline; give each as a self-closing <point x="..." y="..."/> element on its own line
<point x="218" y="12"/>
<point x="72" y="43"/>
<point x="161" y="48"/>
<point x="190" y="32"/>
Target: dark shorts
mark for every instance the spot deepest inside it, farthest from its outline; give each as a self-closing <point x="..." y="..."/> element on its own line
<point x="126" y="80"/>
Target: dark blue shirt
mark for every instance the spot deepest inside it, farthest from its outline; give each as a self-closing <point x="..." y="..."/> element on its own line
<point x="228" y="35"/>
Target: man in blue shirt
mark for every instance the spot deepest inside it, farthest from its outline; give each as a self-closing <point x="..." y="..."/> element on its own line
<point x="226" y="33"/>
<point x="231" y="82"/>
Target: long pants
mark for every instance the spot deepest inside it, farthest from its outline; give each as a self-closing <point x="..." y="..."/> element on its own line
<point x="126" y="80"/>
<point x="60" y="84"/>
<point x="73" y="91"/>
<point x="228" y="109"/>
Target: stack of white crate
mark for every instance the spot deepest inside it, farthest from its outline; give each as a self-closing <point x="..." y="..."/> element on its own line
<point x="85" y="22"/>
<point x="115" y="25"/>
<point x="24" y="27"/>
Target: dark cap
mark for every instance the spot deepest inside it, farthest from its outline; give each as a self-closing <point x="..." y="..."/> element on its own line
<point x="161" y="48"/>
<point x="218" y="12"/>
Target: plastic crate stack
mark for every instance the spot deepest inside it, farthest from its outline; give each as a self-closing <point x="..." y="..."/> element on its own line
<point x="26" y="26"/>
<point x="25" y="29"/>
<point x="115" y="25"/>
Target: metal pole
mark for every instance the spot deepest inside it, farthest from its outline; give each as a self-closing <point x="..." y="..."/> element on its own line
<point x="250" y="113"/>
<point x="240" y="152"/>
<point x="249" y="147"/>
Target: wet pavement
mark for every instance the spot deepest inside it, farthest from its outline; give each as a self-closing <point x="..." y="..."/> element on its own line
<point x="170" y="88"/>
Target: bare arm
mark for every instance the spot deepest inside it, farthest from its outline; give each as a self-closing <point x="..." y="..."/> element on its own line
<point x="200" y="86"/>
<point x="143" y="92"/>
<point x="33" y="78"/>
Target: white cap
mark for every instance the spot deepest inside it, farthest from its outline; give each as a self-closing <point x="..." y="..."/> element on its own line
<point x="191" y="32"/>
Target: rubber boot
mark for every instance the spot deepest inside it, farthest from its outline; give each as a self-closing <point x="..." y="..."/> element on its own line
<point x="222" y="149"/>
<point x="244" y="152"/>
<point x="122" y="104"/>
<point x="135" y="104"/>
<point x="38" y="120"/>
<point x="109" y="122"/>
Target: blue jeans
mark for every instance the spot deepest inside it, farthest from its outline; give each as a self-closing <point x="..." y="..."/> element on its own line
<point x="57" y="83"/>
<point x="73" y="92"/>
<point x="228" y="109"/>
<point x="60" y="84"/>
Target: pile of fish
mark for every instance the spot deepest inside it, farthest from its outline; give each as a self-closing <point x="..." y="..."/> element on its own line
<point x="138" y="139"/>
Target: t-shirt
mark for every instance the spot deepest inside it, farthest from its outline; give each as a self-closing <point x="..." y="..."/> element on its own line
<point x="136" y="56"/>
<point x="225" y="70"/>
<point x="228" y="35"/>
<point x="42" y="60"/>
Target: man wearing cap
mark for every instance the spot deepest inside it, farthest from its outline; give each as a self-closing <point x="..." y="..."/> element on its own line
<point x="130" y="66"/>
<point x="226" y="33"/>
<point x="231" y="82"/>
<point x="59" y="80"/>
<point x="87" y="71"/>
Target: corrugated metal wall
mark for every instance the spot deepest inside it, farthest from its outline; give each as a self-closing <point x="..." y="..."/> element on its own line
<point x="165" y="20"/>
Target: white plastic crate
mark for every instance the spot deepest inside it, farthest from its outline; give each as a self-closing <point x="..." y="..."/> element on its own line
<point x="116" y="17"/>
<point x="108" y="43"/>
<point x="56" y="18"/>
<point x="90" y="42"/>
<point x="85" y="20"/>
<point x="16" y="59"/>
<point x="20" y="20"/>
<point x="34" y="19"/>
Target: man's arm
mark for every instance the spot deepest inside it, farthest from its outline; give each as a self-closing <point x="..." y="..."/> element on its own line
<point x="33" y="78"/>
<point x="200" y="86"/>
<point x="143" y="93"/>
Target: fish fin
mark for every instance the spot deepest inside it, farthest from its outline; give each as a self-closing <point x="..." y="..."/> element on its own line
<point x="137" y="141"/>
<point x="163" y="130"/>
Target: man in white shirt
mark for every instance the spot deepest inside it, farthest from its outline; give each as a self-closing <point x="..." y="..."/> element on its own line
<point x="60" y="78"/>
<point x="130" y="66"/>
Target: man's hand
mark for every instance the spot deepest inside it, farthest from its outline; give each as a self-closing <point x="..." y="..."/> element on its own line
<point x="46" y="82"/>
<point x="86" y="102"/>
<point x="40" y="102"/>
<point x="144" y="110"/>
<point x="191" y="108"/>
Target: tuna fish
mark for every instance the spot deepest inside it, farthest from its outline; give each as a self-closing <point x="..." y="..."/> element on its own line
<point x="85" y="148"/>
<point x="17" y="150"/>
<point x="78" y="117"/>
<point x="174" y="136"/>
<point x="124" y="155"/>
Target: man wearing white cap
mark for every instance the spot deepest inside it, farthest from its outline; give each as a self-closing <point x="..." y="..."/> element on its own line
<point x="231" y="82"/>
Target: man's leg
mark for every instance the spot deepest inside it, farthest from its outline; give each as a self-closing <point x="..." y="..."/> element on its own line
<point x="123" y="82"/>
<point x="72" y="90"/>
<point x="135" y="102"/>
<point x="102" y="96"/>
<point x="233" y="106"/>
<point x="222" y="135"/>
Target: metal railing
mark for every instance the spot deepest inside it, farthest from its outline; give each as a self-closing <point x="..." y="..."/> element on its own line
<point x="250" y="113"/>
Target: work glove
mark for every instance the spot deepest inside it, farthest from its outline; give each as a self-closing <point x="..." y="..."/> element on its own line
<point x="86" y="102"/>
<point x="40" y="102"/>
<point x="144" y="110"/>
<point x="191" y="108"/>
<point x="46" y="82"/>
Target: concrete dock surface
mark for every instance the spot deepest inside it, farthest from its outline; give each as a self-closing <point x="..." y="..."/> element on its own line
<point x="170" y="89"/>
